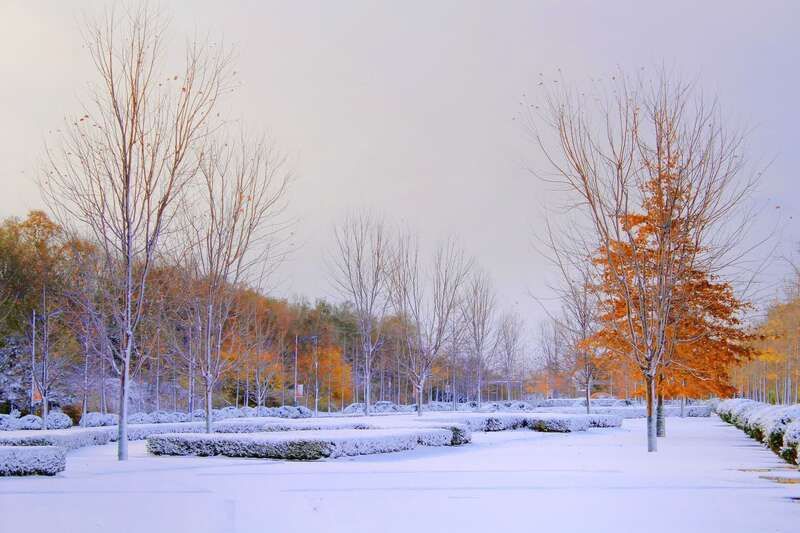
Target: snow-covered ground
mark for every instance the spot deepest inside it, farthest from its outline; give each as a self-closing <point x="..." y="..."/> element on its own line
<point x="707" y="476"/>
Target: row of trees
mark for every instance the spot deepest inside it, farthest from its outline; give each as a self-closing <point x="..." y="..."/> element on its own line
<point x="774" y="373"/>
<point x="60" y="342"/>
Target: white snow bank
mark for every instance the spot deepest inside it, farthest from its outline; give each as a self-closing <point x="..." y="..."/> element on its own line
<point x="298" y="445"/>
<point x="32" y="460"/>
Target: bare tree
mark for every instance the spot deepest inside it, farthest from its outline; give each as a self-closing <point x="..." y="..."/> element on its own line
<point x="577" y="293"/>
<point x="509" y="346"/>
<point x="478" y="309"/>
<point x="654" y="146"/>
<point x="552" y="350"/>
<point x="361" y="275"/>
<point x="427" y="301"/>
<point x="234" y="227"/>
<point x="121" y="164"/>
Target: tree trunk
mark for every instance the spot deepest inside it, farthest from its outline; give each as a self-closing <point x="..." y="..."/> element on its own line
<point x="33" y="360"/>
<point x="122" y="426"/>
<point x="479" y="387"/>
<point x="683" y="406"/>
<point x="588" y="396"/>
<point x="103" y="400"/>
<point x="420" y="391"/>
<point x="367" y="379"/>
<point x="85" y="402"/>
<point x="661" y="430"/>
<point x="652" y="441"/>
<point x="209" y="405"/>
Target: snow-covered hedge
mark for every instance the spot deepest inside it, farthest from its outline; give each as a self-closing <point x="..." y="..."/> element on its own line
<point x="70" y="439"/>
<point x="598" y="420"/>
<point x="173" y="417"/>
<point x="57" y="420"/>
<point x="790" y="449"/>
<point x="32" y="460"/>
<point x="777" y="426"/>
<point x="632" y="411"/>
<point x="29" y="422"/>
<point x="8" y="422"/>
<point x="298" y="445"/>
<point x="377" y="407"/>
<point x="94" y="419"/>
<point x="547" y="422"/>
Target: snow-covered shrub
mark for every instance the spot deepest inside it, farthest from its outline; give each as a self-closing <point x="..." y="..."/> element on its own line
<point x="199" y="414"/>
<point x="94" y="419"/>
<point x="287" y="411"/>
<point x="558" y="423"/>
<point x="227" y="412"/>
<point x="32" y="460"/>
<point x="604" y="421"/>
<point x="775" y="427"/>
<point x="304" y="412"/>
<point x="354" y="409"/>
<point x="385" y="407"/>
<point x="29" y="422"/>
<point x="791" y="443"/>
<point x="140" y="418"/>
<point x="298" y="445"/>
<point x="726" y="408"/>
<point x="7" y="423"/>
<point x="57" y="420"/>
<point x="263" y="411"/>
<point x="248" y="411"/>
<point x="142" y="431"/>
<point x="70" y="439"/>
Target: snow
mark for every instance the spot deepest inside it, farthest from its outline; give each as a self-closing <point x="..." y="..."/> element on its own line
<point x="31" y="460"/>
<point x="299" y="445"/>
<point x="706" y="476"/>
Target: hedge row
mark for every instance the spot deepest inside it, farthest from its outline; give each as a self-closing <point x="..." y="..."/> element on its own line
<point x="776" y="426"/>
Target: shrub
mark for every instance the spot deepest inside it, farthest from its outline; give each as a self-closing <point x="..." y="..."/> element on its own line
<point x="32" y="460"/>
<point x="57" y="420"/>
<point x="94" y="419"/>
<point x="29" y="422"/>
<point x="140" y="418"/>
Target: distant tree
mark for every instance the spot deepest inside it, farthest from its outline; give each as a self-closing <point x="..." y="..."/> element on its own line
<point x="478" y="313"/>
<point x="361" y="274"/>
<point x="427" y="299"/>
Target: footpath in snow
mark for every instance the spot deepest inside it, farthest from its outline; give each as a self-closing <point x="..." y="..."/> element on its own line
<point x="707" y="476"/>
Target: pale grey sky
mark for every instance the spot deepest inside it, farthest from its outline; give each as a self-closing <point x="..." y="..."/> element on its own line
<point x="407" y="107"/>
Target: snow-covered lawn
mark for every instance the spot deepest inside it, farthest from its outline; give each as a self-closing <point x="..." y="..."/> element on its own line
<point x="708" y="476"/>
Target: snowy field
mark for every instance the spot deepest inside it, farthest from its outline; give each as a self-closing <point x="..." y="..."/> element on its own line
<point x="708" y="476"/>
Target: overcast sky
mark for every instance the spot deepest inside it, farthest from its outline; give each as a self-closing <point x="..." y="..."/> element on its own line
<point x="407" y="107"/>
